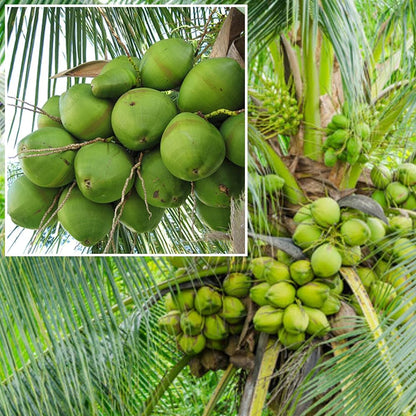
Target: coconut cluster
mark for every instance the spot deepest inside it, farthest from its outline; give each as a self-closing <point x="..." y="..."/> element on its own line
<point x="395" y="188"/>
<point x="137" y="134"/>
<point x="293" y="302"/>
<point x="346" y="141"/>
<point x="208" y="319"/>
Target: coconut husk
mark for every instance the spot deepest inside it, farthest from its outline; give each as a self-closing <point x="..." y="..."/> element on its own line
<point x="214" y="360"/>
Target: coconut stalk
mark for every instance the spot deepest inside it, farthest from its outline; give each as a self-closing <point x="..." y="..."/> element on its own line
<point x="326" y="64"/>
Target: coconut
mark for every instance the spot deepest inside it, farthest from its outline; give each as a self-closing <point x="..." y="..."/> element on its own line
<point x="338" y="285"/>
<point x="307" y="235"/>
<point x="272" y="183"/>
<point x="404" y="250"/>
<point x="381" y="176"/>
<point x="207" y="301"/>
<point x="366" y="275"/>
<point x="184" y="300"/>
<point x="291" y="341"/>
<point x="377" y="229"/>
<point x="233" y="310"/>
<point x="331" y="305"/>
<point x="136" y="217"/>
<point x="303" y="214"/>
<point x="51" y="107"/>
<point x="258" y="293"/>
<point x="301" y="272"/>
<point x="318" y="323"/>
<point x="52" y="170"/>
<point x="157" y="185"/>
<point x="281" y="294"/>
<point x="355" y="232"/>
<point x="396" y="193"/>
<point x="191" y="147"/>
<point x="268" y="319"/>
<point x="344" y="321"/>
<point x="102" y="171"/>
<point x="410" y="203"/>
<point x="351" y="256"/>
<point x="295" y="319"/>
<point x="276" y="271"/>
<point x="399" y="310"/>
<point x="87" y="221"/>
<point x="400" y="224"/>
<point x="84" y="115"/>
<point x="233" y="130"/>
<point x="114" y="82"/>
<point x="170" y="302"/>
<point x="191" y="322"/>
<point x="166" y="63"/>
<point x="313" y="294"/>
<point x="363" y="130"/>
<point x="192" y="345"/>
<point x="340" y="121"/>
<point x="379" y="196"/>
<point x="170" y="323"/>
<point x="398" y="277"/>
<point x="237" y="284"/>
<point x="382" y="294"/>
<point x="217" y="219"/>
<point x="406" y="174"/>
<point x="215" y="327"/>
<point x="325" y="211"/>
<point x="140" y="117"/>
<point x="218" y="189"/>
<point x="261" y="266"/>
<point x="284" y="258"/>
<point x="28" y="203"/>
<point x="326" y="260"/>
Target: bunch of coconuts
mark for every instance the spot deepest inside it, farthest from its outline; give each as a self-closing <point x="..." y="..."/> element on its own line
<point x="395" y="188"/>
<point x="146" y="113"/>
<point x="206" y="322"/>
<point x="346" y="141"/>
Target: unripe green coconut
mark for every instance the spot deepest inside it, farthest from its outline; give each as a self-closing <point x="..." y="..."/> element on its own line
<point x="338" y="285"/>
<point x="215" y="327"/>
<point x="233" y="130"/>
<point x="191" y="322"/>
<point x="233" y="310"/>
<point x="302" y="214"/>
<point x="400" y="224"/>
<point x="50" y="170"/>
<point x="330" y="157"/>
<point x="87" y="221"/>
<point x="301" y="272"/>
<point x="337" y="138"/>
<point x="313" y="294"/>
<point x="258" y="293"/>
<point x="224" y="184"/>
<point x="291" y="341"/>
<point x="398" y="277"/>
<point x="272" y="183"/>
<point x="363" y="130"/>
<point x="295" y="319"/>
<point x="399" y="310"/>
<point x="379" y="196"/>
<point x="192" y="345"/>
<point x="140" y="117"/>
<point x="404" y="250"/>
<point x="102" y="170"/>
<point x="381" y="267"/>
<point x="123" y="61"/>
<point x="351" y="256"/>
<point x="355" y="232"/>
<point x="183" y="300"/>
<point x="354" y="148"/>
<point x="396" y="193"/>
<point x="136" y="217"/>
<point x="84" y="115"/>
<point x="377" y="229"/>
<point x="326" y="260"/>
<point x="381" y="176"/>
<point x="191" y="147"/>
<point x="318" y="324"/>
<point x="28" y="203"/>
<point x="340" y="121"/>
<point x="207" y="301"/>
<point x="217" y="219"/>
<point x="410" y="202"/>
<point x="284" y="258"/>
<point x="268" y="319"/>
<point x="406" y="174"/>
<point x="269" y="269"/>
<point x="332" y="305"/>
<point x="113" y="83"/>
<point x="382" y="294"/>
<point x="211" y="85"/>
<point x="306" y="235"/>
<point x="157" y="185"/>
<point x="366" y="275"/>
<point x="237" y="284"/>
<point x="166" y="63"/>
<point x="51" y="107"/>
<point x="281" y="294"/>
<point x="170" y="323"/>
<point x="325" y="211"/>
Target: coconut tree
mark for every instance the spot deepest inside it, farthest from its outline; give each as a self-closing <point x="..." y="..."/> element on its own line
<point x="86" y="340"/>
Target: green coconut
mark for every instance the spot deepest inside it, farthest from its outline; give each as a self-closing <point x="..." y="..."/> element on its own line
<point x="404" y="250"/>
<point x="340" y="121"/>
<point x="382" y="294"/>
<point x="237" y="284"/>
<point x="318" y="322"/>
<point x="207" y="301"/>
<point x="233" y="130"/>
<point x="51" y="170"/>
<point x="191" y="147"/>
<point x="191" y="322"/>
<point x="406" y="174"/>
<point x="303" y="214"/>
<point x="396" y="193"/>
<point x="211" y="85"/>
<point x="136" y="217"/>
<point x="268" y="319"/>
<point x="351" y="256"/>
<point x="325" y="211"/>
<point x="366" y="275"/>
<point x="301" y="272"/>
<point x="410" y="202"/>
<point x="215" y="328"/>
<point x="258" y="293"/>
<point x="84" y="115"/>
<point x="295" y="319"/>
<point x="87" y="221"/>
<point x="268" y="268"/>
<point x="122" y="61"/>
<point x="291" y="341"/>
<point x="313" y="294"/>
<point x="140" y="117"/>
<point x="355" y="232"/>
<point x="170" y="323"/>
<point x="381" y="176"/>
<point x="191" y="345"/>
<point x="272" y="183"/>
<point x="217" y="219"/>
<point x="307" y="235"/>
<point x="379" y="196"/>
<point x="166" y="63"/>
<point x="51" y="107"/>
<point x="218" y="189"/>
<point x="332" y="305"/>
<point x="28" y="203"/>
<point x="363" y="130"/>
<point x="326" y="260"/>
<point x="182" y="300"/>
<point x="281" y="294"/>
<point x="377" y="229"/>
<point x="400" y="224"/>
<point x="157" y="185"/>
<point x="337" y="285"/>
<point x="102" y="171"/>
<point x="233" y="310"/>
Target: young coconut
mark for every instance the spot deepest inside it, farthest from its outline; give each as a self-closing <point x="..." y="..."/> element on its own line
<point x="215" y="327"/>
<point x="325" y="211"/>
<point x="355" y="232"/>
<point x="170" y="323"/>
<point x="313" y="294"/>
<point x="326" y="260"/>
<point x="191" y="322"/>
<point x="281" y="294"/>
<point x="268" y="319"/>
<point x="301" y="272"/>
<point x="192" y="345"/>
<point x="318" y="324"/>
<point x="233" y="310"/>
<point x="295" y="319"/>
<point x="258" y="293"/>
<point x="291" y="341"/>
<point x="237" y="284"/>
<point x="207" y="301"/>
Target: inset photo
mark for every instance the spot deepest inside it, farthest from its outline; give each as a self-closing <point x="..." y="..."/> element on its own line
<point x="126" y="130"/>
